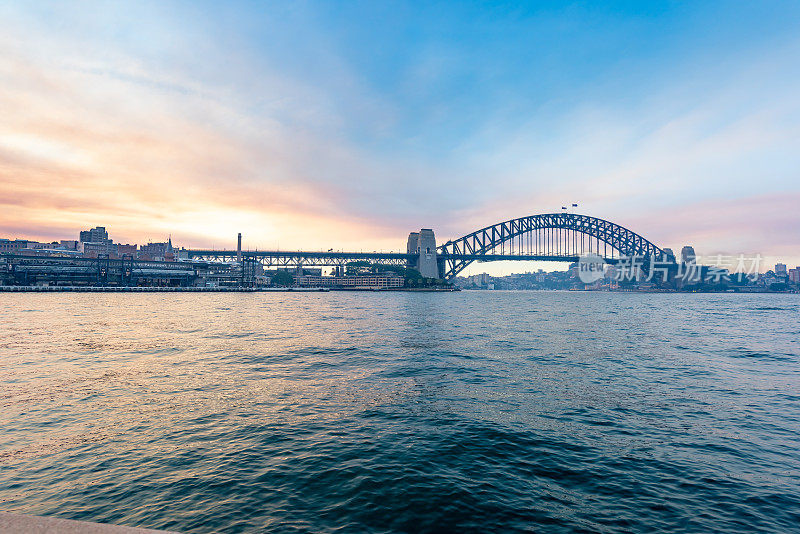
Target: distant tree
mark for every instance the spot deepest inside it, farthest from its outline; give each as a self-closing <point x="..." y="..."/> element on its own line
<point x="358" y="267"/>
<point x="412" y="278"/>
<point x="282" y="278"/>
<point x="399" y="269"/>
<point x="778" y="286"/>
<point x="738" y="279"/>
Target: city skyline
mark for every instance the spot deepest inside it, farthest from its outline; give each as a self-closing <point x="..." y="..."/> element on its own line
<point x="97" y="242"/>
<point x="314" y="126"/>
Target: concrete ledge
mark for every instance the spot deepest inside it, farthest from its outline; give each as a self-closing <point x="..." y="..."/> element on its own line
<point x="31" y="524"/>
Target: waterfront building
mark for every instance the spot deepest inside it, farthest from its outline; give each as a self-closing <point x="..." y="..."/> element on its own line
<point x="35" y="245"/>
<point x="479" y="280"/>
<point x="780" y="269"/>
<point x="794" y="275"/>
<point x="7" y="245"/>
<point x="370" y="281"/>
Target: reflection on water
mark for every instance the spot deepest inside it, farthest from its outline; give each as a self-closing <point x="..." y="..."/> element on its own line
<point x="408" y="412"/>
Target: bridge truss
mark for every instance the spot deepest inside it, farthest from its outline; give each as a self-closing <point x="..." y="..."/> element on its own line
<point x="545" y="237"/>
<point x="296" y="258"/>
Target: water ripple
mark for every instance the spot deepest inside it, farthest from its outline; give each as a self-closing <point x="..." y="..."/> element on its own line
<point x="403" y="412"/>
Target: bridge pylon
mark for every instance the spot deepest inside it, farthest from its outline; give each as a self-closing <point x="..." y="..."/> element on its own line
<point x="421" y="246"/>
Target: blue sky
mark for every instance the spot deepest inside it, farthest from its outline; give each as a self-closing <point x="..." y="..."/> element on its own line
<point x="346" y="125"/>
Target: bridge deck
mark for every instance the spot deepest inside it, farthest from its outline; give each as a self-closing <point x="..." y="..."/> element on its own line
<point x="300" y="254"/>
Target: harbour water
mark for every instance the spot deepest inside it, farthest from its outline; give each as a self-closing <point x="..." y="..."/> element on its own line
<point x="403" y="412"/>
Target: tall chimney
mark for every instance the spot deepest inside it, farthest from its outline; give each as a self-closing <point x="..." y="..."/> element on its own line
<point x="239" y="248"/>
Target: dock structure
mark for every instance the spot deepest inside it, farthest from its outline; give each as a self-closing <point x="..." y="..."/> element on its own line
<point x="22" y="270"/>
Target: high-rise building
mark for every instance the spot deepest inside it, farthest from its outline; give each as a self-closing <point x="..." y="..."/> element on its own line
<point x="794" y="275"/>
<point x="96" y="241"/>
<point x="780" y="269"/>
<point x="95" y="235"/>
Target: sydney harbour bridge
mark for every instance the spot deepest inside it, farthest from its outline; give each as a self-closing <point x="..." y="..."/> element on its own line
<point x="563" y="237"/>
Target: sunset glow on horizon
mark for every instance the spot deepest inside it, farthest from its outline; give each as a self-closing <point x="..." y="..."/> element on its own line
<point x="319" y="125"/>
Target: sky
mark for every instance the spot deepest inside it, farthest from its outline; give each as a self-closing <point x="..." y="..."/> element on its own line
<point x="346" y="125"/>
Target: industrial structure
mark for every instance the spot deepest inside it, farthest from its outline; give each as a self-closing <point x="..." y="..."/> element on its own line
<point x="28" y="270"/>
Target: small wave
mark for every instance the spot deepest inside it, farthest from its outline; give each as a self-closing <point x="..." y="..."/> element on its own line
<point x="761" y="356"/>
<point x="51" y="446"/>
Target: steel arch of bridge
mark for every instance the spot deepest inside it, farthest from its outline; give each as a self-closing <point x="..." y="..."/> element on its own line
<point x="549" y="236"/>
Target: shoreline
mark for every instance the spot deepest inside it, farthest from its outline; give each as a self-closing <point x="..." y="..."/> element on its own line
<point x="123" y="289"/>
<point x="114" y="289"/>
